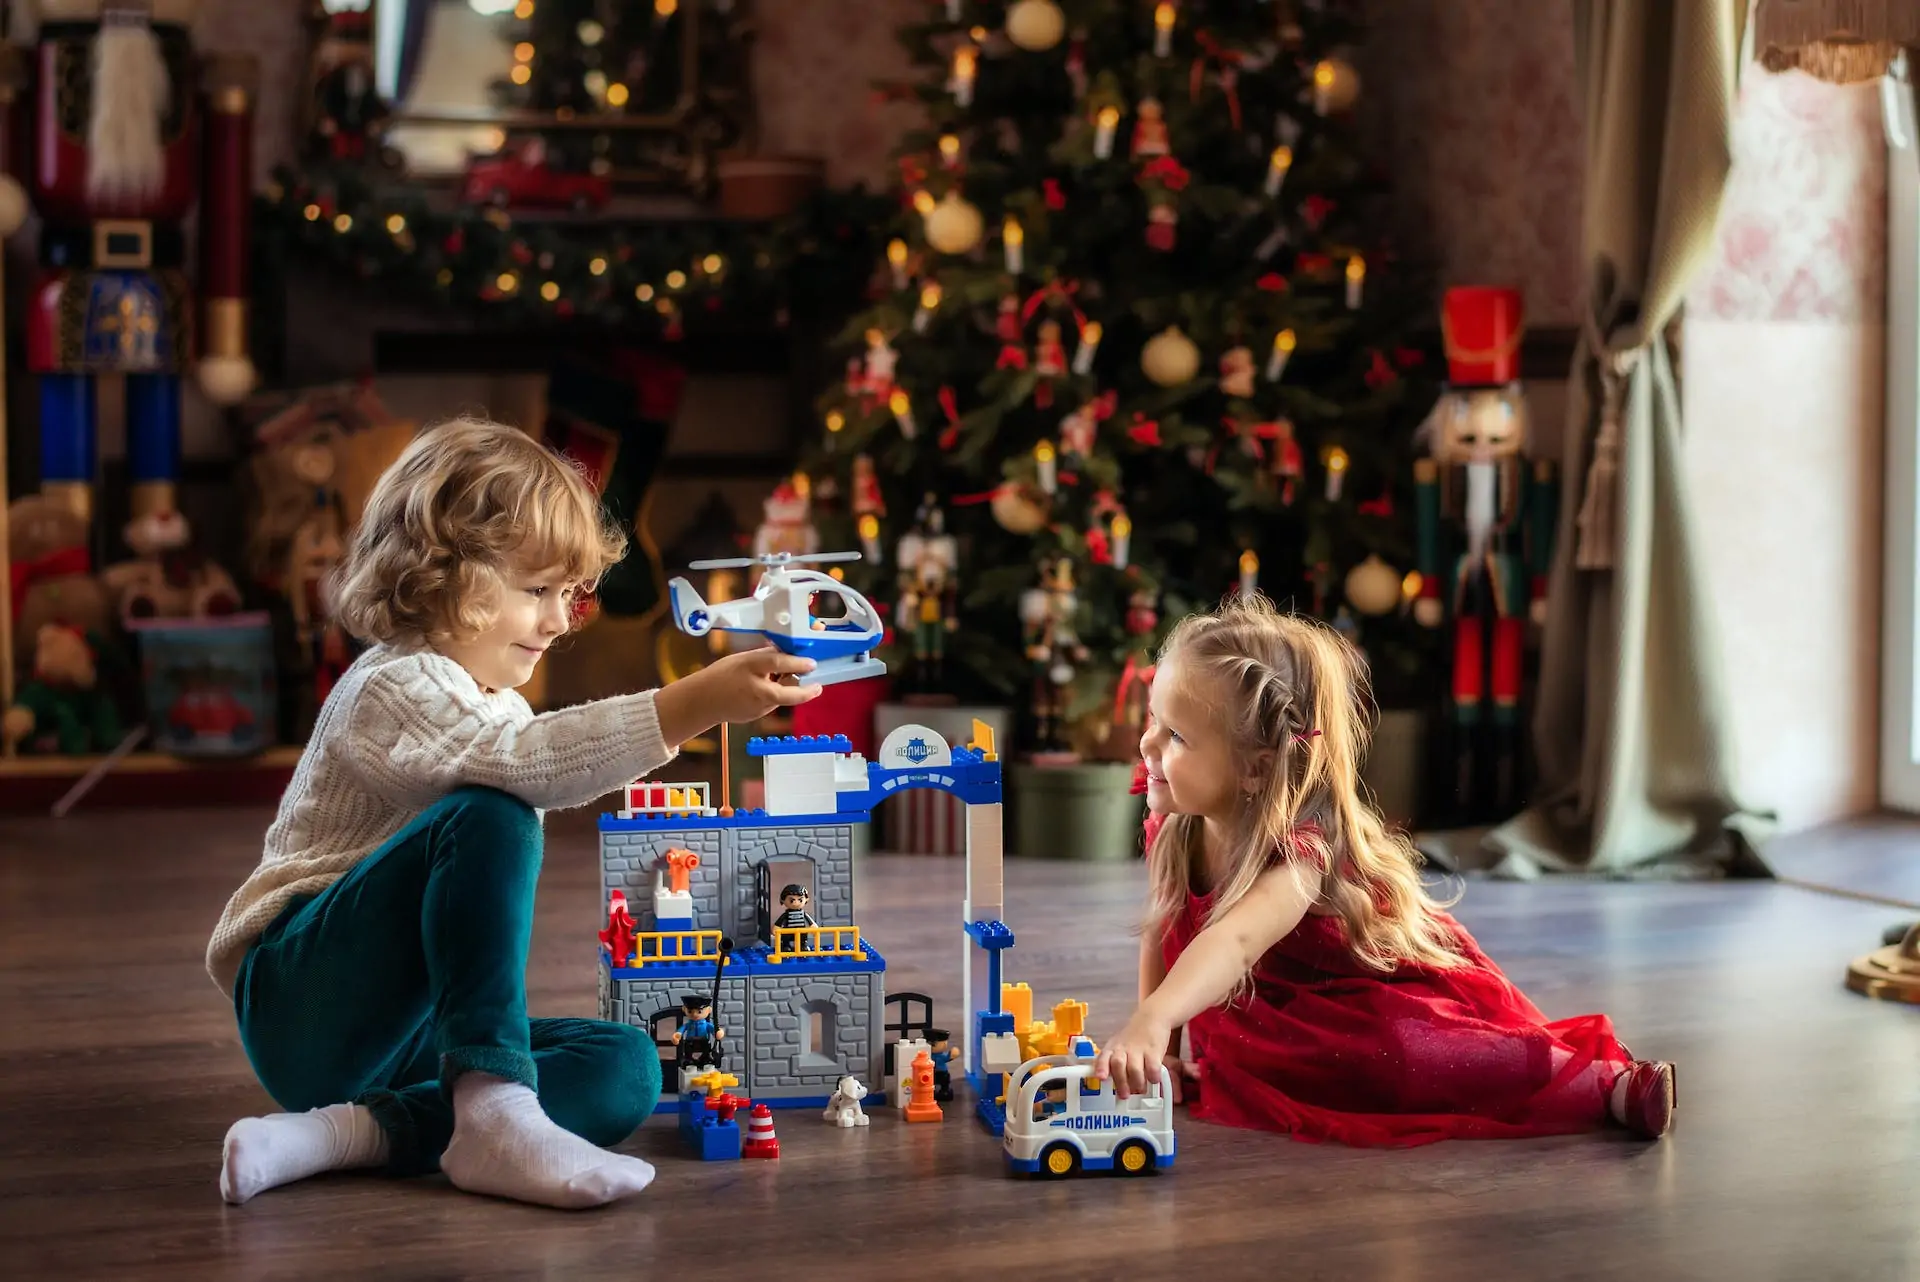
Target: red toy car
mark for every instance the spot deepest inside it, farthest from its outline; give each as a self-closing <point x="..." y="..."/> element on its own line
<point x="520" y="176"/>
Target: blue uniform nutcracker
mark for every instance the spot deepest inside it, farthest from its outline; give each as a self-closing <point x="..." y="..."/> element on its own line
<point x="117" y="130"/>
<point x="1485" y="529"/>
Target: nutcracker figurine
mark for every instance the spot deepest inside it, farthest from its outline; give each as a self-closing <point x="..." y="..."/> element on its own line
<point x="118" y="129"/>
<point x="929" y="561"/>
<point x="1053" y="645"/>
<point x="1485" y="529"/>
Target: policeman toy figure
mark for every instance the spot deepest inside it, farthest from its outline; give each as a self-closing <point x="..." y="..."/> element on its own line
<point x="942" y="1064"/>
<point x="697" y="1041"/>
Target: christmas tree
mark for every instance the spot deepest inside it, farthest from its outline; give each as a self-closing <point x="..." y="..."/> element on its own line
<point x="1134" y="337"/>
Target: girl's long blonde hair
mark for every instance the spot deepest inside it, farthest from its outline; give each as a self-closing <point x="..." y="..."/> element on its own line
<point x="1296" y="690"/>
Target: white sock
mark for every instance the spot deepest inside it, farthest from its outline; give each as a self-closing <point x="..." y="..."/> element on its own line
<point x="265" y="1152"/>
<point x="505" y="1145"/>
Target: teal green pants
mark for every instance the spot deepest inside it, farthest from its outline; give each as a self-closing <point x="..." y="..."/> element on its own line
<point x="410" y="970"/>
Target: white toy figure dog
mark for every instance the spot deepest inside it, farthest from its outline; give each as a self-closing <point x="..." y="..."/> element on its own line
<point x="844" y="1108"/>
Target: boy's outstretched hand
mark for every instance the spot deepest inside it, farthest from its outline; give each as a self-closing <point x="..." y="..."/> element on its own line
<point x="737" y="688"/>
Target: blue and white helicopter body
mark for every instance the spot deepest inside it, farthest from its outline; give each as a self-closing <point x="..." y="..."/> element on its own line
<point x="780" y="610"/>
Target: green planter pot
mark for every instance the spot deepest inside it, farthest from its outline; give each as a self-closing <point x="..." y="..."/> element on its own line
<point x="1082" y="811"/>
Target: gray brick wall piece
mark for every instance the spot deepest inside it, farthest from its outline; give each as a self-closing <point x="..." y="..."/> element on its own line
<point x="780" y="1057"/>
<point x="627" y="862"/>
<point x="829" y="847"/>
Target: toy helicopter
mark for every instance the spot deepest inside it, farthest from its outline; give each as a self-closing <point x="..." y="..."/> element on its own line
<point x="780" y="610"/>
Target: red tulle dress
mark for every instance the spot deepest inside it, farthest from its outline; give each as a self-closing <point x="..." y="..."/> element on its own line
<point x="1326" y="1049"/>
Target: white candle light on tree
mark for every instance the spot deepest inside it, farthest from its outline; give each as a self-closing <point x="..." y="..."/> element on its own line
<point x="902" y="406"/>
<point x="1356" y="279"/>
<point x="1122" y="540"/>
<point x="1249" y="573"/>
<point x="1277" y="166"/>
<point x="1043" y="462"/>
<point x="953" y="10"/>
<point x="1089" y="344"/>
<point x="1104" y="125"/>
<point x="1283" y="344"/>
<point x="870" y="536"/>
<point x="897" y="259"/>
<point x="1337" y="464"/>
<point x="965" y="63"/>
<point x="929" y="304"/>
<point x="1163" y="16"/>
<point x="1014" y="238"/>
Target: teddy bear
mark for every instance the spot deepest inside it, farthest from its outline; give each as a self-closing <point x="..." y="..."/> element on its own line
<point x="62" y="708"/>
<point x="51" y="576"/>
<point x="167" y="579"/>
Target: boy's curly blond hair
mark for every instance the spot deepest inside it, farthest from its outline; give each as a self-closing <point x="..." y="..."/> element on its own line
<point x="467" y="503"/>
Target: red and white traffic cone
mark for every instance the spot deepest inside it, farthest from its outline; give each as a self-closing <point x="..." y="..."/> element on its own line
<point x="760" y="1140"/>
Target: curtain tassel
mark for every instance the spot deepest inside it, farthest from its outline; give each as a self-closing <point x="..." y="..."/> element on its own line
<point x="1600" y="505"/>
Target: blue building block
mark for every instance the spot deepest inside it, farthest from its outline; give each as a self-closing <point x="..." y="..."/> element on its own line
<point x="994" y="936"/>
<point x="793" y="745"/>
<point x="709" y="1138"/>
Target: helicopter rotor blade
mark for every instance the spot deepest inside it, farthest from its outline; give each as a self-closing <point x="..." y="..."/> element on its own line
<point x="728" y="563"/>
<point x="829" y="556"/>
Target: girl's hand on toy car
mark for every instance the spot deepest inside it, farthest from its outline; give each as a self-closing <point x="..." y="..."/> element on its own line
<point x="1181" y="1071"/>
<point x="1133" y="1058"/>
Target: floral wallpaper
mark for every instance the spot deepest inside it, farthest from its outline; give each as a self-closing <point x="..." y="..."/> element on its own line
<point x="1802" y="233"/>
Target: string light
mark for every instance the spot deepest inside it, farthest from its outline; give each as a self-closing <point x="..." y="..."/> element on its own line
<point x="923" y="202"/>
<point x="598" y="266"/>
<point x="617" y="94"/>
<point x="520" y="74"/>
<point x="523" y="10"/>
<point x="312" y="213"/>
<point x="507" y="282"/>
<point x="835" y="420"/>
<point x="550" y="291"/>
<point x="523" y="52"/>
<point x="396" y="223"/>
<point x="676" y="279"/>
<point x="665" y="8"/>
<point x="643" y="292"/>
<point x="343" y="223"/>
<point x="712" y="264"/>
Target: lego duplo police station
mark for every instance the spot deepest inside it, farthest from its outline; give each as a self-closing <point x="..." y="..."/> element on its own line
<point x="801" y="993"/>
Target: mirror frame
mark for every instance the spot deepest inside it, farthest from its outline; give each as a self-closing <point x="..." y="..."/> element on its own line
<point x="707" y="118"/>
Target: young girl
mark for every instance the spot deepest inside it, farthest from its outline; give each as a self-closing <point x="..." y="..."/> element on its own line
<point x="377" y="957"/>
<point x="1323" y="991"/>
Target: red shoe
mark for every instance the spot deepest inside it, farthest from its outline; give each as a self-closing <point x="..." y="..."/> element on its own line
<point x="1652" y="1095"/>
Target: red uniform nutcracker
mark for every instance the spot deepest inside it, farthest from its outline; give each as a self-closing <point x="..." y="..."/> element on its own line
<point x="1485" y="530"/>
<point x="117" y="129"/>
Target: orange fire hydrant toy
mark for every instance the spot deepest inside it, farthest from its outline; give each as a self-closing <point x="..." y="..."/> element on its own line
<point x="920" y="1105"/>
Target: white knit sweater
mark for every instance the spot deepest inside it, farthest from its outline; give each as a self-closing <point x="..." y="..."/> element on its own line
<point x="400" y="730"/>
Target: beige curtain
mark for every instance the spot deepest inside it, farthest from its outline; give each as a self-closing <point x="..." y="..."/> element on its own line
<point x="1631" y="730"/>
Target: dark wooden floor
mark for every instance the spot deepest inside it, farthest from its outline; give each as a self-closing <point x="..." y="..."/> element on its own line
<point x="1797" y="1154"/>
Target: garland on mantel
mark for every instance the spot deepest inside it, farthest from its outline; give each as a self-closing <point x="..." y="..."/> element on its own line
<point x="668" y="277"/>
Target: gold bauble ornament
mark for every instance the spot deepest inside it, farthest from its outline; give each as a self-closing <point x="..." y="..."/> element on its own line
<point x="1373" y="587"/>
<point x="1036" y="25"/>
<point x="1019" y="509"/>
<point x="1170" y="358"/>
<point x="953" y="226"/>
